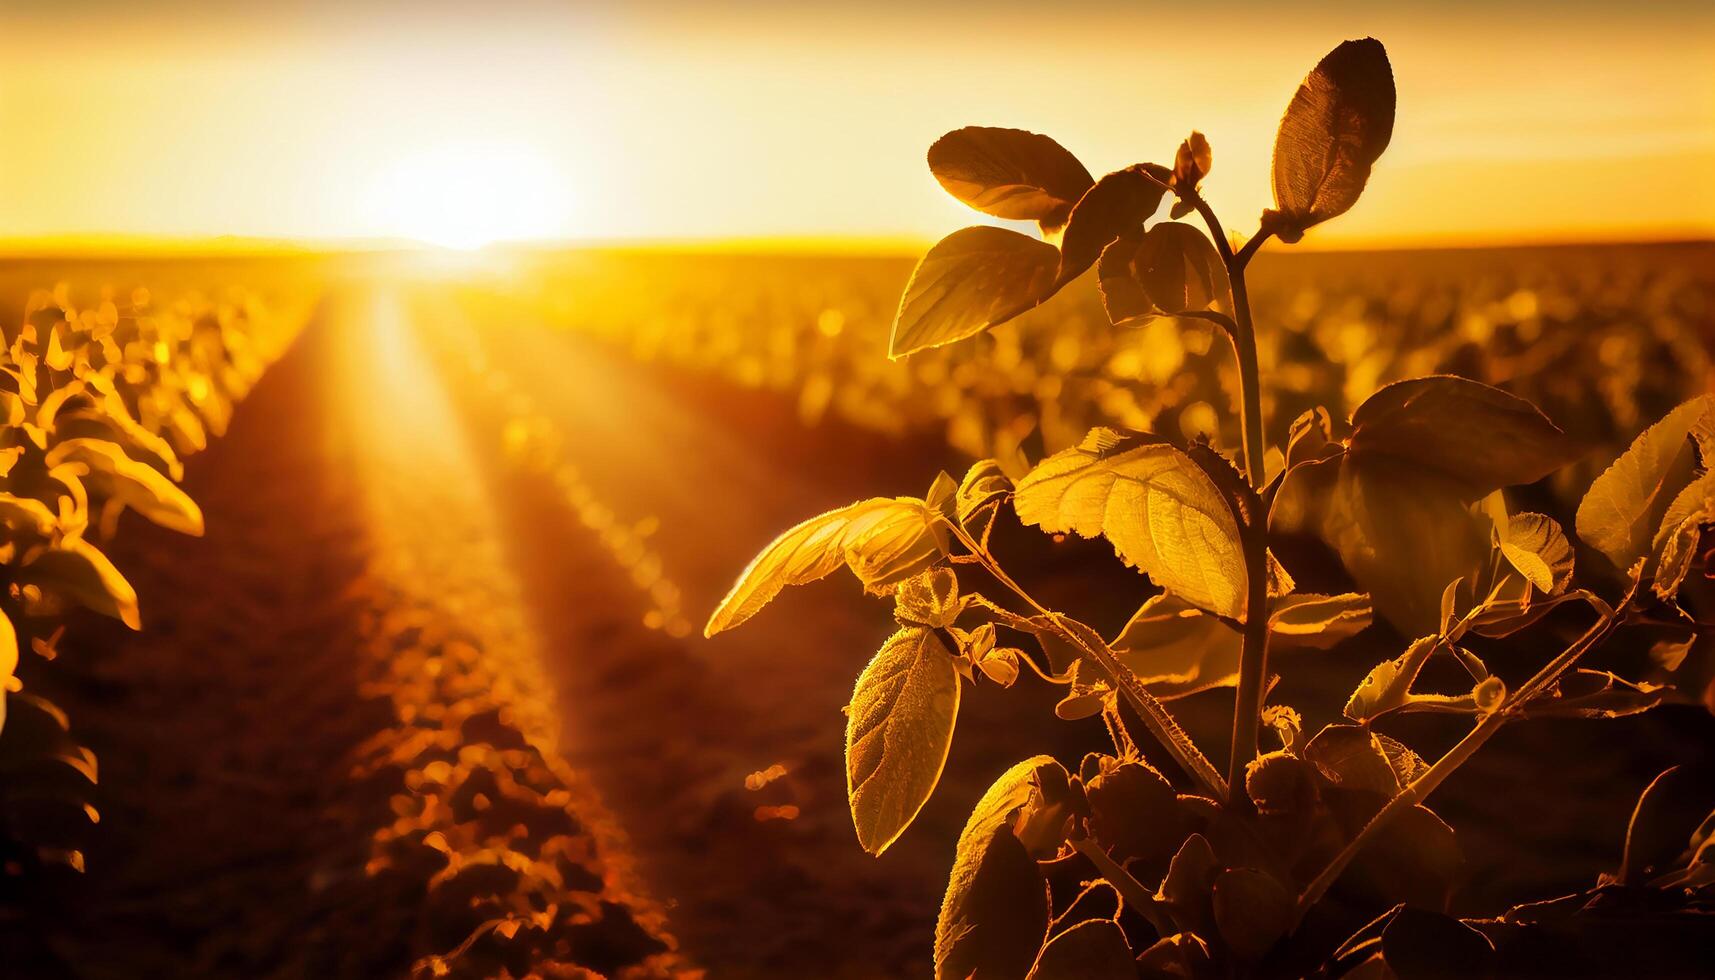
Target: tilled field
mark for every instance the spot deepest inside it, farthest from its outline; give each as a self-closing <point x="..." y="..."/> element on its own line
<point x="326" y="754"/>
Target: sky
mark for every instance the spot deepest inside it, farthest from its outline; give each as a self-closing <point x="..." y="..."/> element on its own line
<point x="660" y="120"/>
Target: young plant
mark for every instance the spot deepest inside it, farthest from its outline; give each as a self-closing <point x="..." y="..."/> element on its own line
<point x="1263" y="861"/>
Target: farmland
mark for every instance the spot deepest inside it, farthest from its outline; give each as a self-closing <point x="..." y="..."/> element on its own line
<point x="462" y="536"/>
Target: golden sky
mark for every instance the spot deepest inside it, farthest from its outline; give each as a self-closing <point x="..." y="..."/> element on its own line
<point x="462" y="123"/>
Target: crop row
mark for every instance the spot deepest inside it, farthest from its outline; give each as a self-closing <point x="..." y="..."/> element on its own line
<point x="1631" y="324"/>
<point x="101" y="403"/>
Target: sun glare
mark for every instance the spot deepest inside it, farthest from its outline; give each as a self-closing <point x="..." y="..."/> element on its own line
<point x="470" y="195"/>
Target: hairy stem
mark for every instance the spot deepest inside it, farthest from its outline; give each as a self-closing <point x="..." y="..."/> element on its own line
<point x="1445" y="766"/>
<point x="1156" y="717"/>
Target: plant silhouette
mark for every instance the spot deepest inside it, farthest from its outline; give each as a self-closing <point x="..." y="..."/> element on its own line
<point x="1316" y="851"/>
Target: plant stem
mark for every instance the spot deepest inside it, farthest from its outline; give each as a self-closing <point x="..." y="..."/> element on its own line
<point x="1253" y="655"/>
<point x="1131" y="890"/>
<point x="1156" y="717"/>
<point x="1445" y="766"/>
<point x="1253" y="667"/>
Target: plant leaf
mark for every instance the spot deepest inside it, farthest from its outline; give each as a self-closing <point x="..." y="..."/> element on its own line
<point x="994" y="915"/>
<point x="1010" y="173"/>
<point x="1336" y="126"/>
<point x="1536" y="546"/>
<point x="1676" y="542"/>
<point x="1388" y="685"/>
<point x="1171" y="269"/>
<point x="1252" y="910"/>
<point x="1478" y="436"/>
<point x="1422" y="945"/>
<point x="884" y="541"/>
<point x="137" y="485"/>
<point x="1403" y="533"/>
<point x="1318" y="621"/>
<point x="970" y="281"/>
<point x="78" y="570"/>
<point x="1623" y="508"/>
<point x="1170" y="644"/>
<point x="1154" y="504"/>
<point x="898" y="730"/>
<point x="1092" y="950"/>
<point x="1119" y="203"/>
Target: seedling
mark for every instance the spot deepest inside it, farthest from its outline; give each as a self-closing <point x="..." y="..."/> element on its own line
<point x="1245" y="867"/>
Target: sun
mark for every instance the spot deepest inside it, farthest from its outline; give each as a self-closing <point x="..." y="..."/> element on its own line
<point x="468" y="195"/>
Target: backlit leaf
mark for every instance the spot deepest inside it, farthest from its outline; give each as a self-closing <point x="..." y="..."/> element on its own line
<point x="1091" y="950"/>
<point x="1169" y="270"/>
<point x="1539" y="549"/>
<point x="1154" y="504"/>
<point x="1676" y="541"/>
<point x="984" y="484"/>
<point x="79" y="571"/>
<point x="1119" y="203"/>
<point x="137" y="485"/>
<point x="1172" y="645"/>
<point x="1403" y="533"/>
<point x="884" y="540"/>
<point x="1621" y="511"/>
<point x="1336" y="126"/>
<point x="930" y="599"/>
<point x="1586" y="693"/>
<point x="1388" y="685"/>
<point x="8" y="662"/>
<point x="899" y="727"/>
<point x="1477" y="436"/>
<point x="1010" y="173"/>
<point x="970" y="281"/>
<point x="994" y="915"/>
<point x="1319" y="621"/>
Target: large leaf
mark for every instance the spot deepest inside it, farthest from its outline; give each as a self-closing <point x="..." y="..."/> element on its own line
<point x="1169" y="270"/>
<point x="1119" y="203"/>
<point x="1403" y="533"/>
<point x="995" y="912"/>
<point x="137" y="485"/>
<point x="1620" y="513"/>
<point x="1336" y="126"/>
<point x="970" y="281"/>
<point x="1177" y="649"/>
<point x="884" y="540"/>
<point x="1091" y="950"/>
<point x="1480" y="437"/>
<point x="899" y="727"/>
<point x="1010" y="173"/>
<point x="1154" y="504"/>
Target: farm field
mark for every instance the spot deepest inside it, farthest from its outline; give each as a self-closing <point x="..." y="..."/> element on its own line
<point x="465" y="520"/>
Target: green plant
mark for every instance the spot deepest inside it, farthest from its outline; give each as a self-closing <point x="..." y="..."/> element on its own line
<point x="1258" y="865"/>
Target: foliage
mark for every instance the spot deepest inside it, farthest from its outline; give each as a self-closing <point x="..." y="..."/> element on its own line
<point x="100" y="405"/>
<point x="1252" y="869"/>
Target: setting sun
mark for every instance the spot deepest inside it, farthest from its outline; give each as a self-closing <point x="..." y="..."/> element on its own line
<point x="656" y="490"/>
<point x="465" y="196"/>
